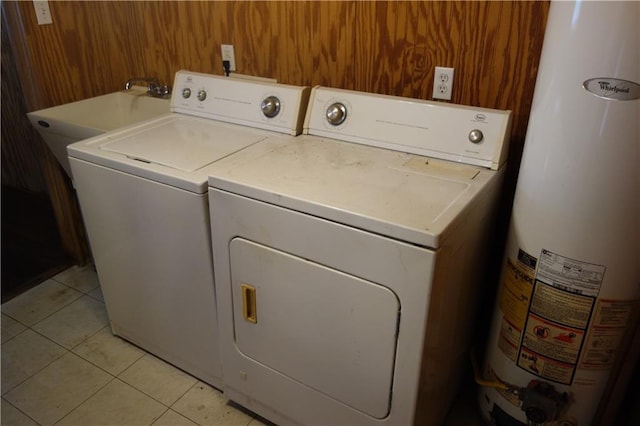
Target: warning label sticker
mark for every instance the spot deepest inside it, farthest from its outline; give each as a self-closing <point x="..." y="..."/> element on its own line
<point x="509" y="339"/>
<point x="600" y="350"/>
<point x="554" y="332"/>
<point x="610" y="319"/>
<point x="510" y="332"/>
<point x="570" y="274"/>
<point x="542" y="366"/>
<point x="517" y="284"/>
<point x="561" y="306"/>
<point x="547" y="304"/>
<point x="613" y="313"/>
<point x="553" y="340"/>
<point x="515" y="295"/>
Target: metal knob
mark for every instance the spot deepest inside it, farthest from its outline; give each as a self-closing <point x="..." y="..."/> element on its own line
<point x="270" y="106"/>
<point x="336" y="113"/>
<point x="186" y="92"/>
<point x="202" y="95"/>
<point x="476" y="136"/>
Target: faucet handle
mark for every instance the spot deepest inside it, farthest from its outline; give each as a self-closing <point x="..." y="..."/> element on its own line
<point x="146" y="80"/>
<point x="157" y="90"/>
<point x="154" y="88"/>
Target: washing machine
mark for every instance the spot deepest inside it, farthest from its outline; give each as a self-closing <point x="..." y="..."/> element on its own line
<point x="143" y="197"/>
<point x="348" y="260"/>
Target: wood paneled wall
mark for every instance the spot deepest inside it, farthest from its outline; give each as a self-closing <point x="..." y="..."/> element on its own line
<point x="383" y="47"/>
<point x="388" y="47"/>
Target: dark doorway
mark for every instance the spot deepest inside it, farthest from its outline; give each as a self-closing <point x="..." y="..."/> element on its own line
<point x="31" y="246"/>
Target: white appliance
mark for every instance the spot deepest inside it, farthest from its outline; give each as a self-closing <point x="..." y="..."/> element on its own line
<point x="143" y="196"/>
<point x="347" y="260"/>
<point x="571" y="278"/>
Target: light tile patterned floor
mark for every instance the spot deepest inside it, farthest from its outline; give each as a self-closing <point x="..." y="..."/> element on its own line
<point x="62" y="366"/>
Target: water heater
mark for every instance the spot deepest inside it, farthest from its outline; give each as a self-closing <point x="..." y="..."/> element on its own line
<point x="570" y="282"/>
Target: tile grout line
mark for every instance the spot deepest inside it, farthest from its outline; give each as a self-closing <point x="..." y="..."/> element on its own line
<point x="15" y="335"/>
<point x="160" y="416"/>
<point x="64" y="347"/>
<point x="177" y="413"/>
<point x="151" y="396"/>
<point x="167" y="408"/>
<point x="86" y="293"/>
<point x="145" y="394"/>
<point x="22" y="412"/>
<point x="90" y="361"/>
<point x="52" y="313"/>
<point x="85" y="400"/>
<point x="40" y="369"/>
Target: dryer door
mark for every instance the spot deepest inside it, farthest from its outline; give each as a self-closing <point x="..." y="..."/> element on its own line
<point x="330" y="331"/>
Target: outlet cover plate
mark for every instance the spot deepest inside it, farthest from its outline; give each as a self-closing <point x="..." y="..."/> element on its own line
<point x="228" y="54"/>
<point x="443" y="83"/>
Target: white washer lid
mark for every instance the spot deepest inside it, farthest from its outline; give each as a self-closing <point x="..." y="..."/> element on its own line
<point x="182" y="143"/>
<point x="173" y="149"/>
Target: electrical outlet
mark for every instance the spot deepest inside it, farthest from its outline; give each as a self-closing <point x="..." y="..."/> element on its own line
<point x="43" y="14"/>
<point x="443" y="83"/>
<point x="229" y="55"/>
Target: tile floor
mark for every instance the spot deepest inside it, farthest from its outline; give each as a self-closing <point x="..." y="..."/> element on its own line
<point x="62" y="366"/>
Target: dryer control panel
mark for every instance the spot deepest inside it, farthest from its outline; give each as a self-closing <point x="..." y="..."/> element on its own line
<point x="470" y="135"/>
<point x="264" y="105"/>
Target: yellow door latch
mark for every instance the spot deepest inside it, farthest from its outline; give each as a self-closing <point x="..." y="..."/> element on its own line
<point x="249" y="303"/>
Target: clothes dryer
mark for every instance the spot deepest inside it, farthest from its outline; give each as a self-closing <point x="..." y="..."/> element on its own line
<point x="143" y="196"/>
<point x="348" y="260"/>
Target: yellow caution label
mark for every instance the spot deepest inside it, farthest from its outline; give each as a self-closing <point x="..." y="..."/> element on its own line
<point x="515" y="293"/>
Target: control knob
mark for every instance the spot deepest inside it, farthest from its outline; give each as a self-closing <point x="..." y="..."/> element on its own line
<point x="336" y="113"/>
<point x="186" y="92"/>
<point x="202" y="95"/>
<point x="270" y="106"/>
<point x="475" y="136"/>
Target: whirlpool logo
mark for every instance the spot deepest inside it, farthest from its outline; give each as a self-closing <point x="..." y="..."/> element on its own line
<point x="613" y="88"/>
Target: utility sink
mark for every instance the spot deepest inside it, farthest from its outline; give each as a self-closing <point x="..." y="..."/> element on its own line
<point x="65" y="124"/>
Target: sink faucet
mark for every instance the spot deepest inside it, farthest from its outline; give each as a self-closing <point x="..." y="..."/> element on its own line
<point x="154" y="88"/>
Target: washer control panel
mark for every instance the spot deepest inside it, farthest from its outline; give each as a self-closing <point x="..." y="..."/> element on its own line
<point x="264" y="105"/>
<point x="470" y="135"/>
